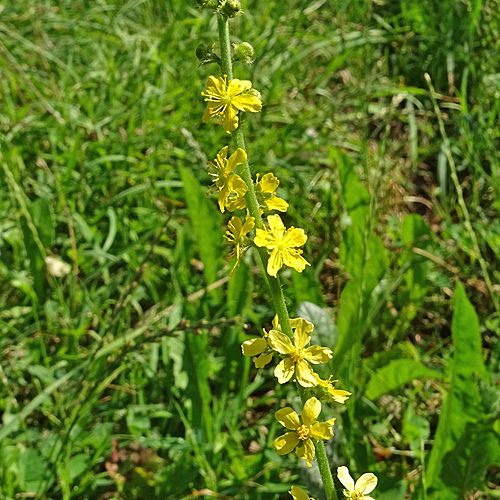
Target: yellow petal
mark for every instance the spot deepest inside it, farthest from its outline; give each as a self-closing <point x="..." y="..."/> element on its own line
<point x="323" y="430"/>
<point x="216" y="85"/>
<point x="247" y="102"/>
<point x="302" y="324"/>
<point x="236" y="86"/>
<point x="237" y="158"/>
<point x="306" y="451"/>
<point x="316" y="354"/>
<point x="253" y="347"/>
<point x="223" y="153"/>
<point x="305" y="374"/>
<point x="288" y="418"/>
<point x="276" y="225"/>
<point x="280" y="342"/>
<point x="295" y="237"/>
<point x="292" y="258"/>
<point x="263" y="360"/>
<point x="298" y="493"/>
<point x="262" y="238"/>
<point x="269" y="183"/>
<point x="275" y="203"/>
<point x="248" y="226"/>
<point x="345" y="478"/>
<point x="301" y="336"/>
<point x="237" y="185"/>
<point x="366" y="483"/>
<point x="311" y="411"/>
<point x="338" y="395"/>
<point x="286" y="443"/>
<point x="230" y="119"/>
<point x="236" y="203"/>
<point x="274" y="262"/>
<point x="206" y="115"/>
<point x="276" y="323"/>
<point x="284" y="371"/>
<point x="320" y="381"/>
<point x="223" y="194"/>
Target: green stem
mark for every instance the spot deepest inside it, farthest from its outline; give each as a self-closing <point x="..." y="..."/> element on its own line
<point x="246" y="175"/>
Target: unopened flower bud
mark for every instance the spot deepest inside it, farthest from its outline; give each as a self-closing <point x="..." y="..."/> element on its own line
<point x="230" y="8"/>
<point x="206" y="55"/>
<point x="243" y="52"/>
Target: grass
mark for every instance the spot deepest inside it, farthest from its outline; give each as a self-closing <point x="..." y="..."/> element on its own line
<point x="125" y="379"/>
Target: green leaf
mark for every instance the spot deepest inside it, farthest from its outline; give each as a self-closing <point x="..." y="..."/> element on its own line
<point x="454" y="452"/>
<point x="325" y="331"/>
<point x="207" y="227"/>
<point x="396" y="374"/>
<point x="239" y="290"/>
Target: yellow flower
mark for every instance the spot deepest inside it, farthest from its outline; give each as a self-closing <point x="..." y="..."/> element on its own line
<point x="336" y="395"/>
<point x="227" y="182"/>
<point x="236" y="235"/>
<point x="298" y="493"/>
<point x="365" y="484"/>
<point x="254" y="347"/>
<point x="282" y="243"/>
<point x="265" y="190"/>
<point x="302" y="431"/>
<point x="299" y="356"/>
<point x="227" y="98"/>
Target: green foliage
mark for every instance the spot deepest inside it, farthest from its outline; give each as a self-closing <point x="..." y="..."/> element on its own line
<point x="125" y="379"/>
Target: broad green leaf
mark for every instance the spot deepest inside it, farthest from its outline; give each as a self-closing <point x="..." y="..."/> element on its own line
<point x="396" y="374"/>
<point x="207" y="226"/>
<point x="461" y="409"/>
<point x="325" y="331"/>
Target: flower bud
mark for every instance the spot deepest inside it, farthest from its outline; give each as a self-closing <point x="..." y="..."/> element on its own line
<point x="230" y="8"/>
<point x="243" y="52"/>
<point x="206" y="55"/>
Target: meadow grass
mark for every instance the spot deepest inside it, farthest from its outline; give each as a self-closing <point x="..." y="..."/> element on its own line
<point x="125" y="378"/>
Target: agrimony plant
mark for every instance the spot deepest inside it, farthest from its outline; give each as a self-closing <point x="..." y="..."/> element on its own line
<point x="227" y="98"/>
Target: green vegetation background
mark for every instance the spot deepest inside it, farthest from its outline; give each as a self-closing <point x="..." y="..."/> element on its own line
<point x="125" y="379"/>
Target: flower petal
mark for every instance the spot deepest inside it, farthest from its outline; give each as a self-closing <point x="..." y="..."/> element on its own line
<point x="253" y="347"/>
<point x="236" y="86"/>
<point x="301" y="336"/>
<point x="216" y="86"/>
<point x="295" y="237"/>
<point x="306" y="451"/>
<point x="275" y="203"/>
<point x="366" y="483"/>
<point x="280" y="342"/>
<point x="275" y="262"/>
<point x="237" y="185"/>
<point x="247" y="102"/>
<point x="302" y="323"/>
<point x="305" y="374"/>
<point x="316" y="354"/>
<point x="230" y="119"/>
<point x="338" y="395"/>
<point x="293" y="258"/>
<point x="236" y="203"/>
<point x="311" y="411"/>
<point x="345" y="478"/>
<point x="284" y="371"/>
<point x="223" y="195"/>
<point x="276" y="225"/>
<point x="263" y="238"/>
<point x="323" y="430"/>
<point x="288" y="418"/>
<point x="286" y="443"/>
<point x="248" y="226"/>
<point x="298" y="493"/>
<point x="237" y="158"/>
<point x="263" y="360"/>
<point x="269" y="183"/>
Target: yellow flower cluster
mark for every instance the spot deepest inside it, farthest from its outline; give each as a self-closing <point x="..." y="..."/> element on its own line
<point x="226" y="99"/>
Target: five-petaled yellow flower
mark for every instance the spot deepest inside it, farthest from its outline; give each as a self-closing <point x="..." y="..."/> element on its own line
<point x="302" y="432"/>
<point x="236" y="235"/>
<point x="365" y="484"/>
<point x="283" y="245"/>
<point x="298" y="355"/>
<point x="265" y="190"/>
<point x="225" y="180"/>
<point x="227" y="98"/>
<point x="299" y="494"/>
<point x="336" y="395"/>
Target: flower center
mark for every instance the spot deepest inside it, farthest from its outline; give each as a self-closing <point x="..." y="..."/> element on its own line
<point x="356" y="494"/>
<point x="303" y="432"/>
<point x="226" y="100"/>
<point x="297" y="355"/>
